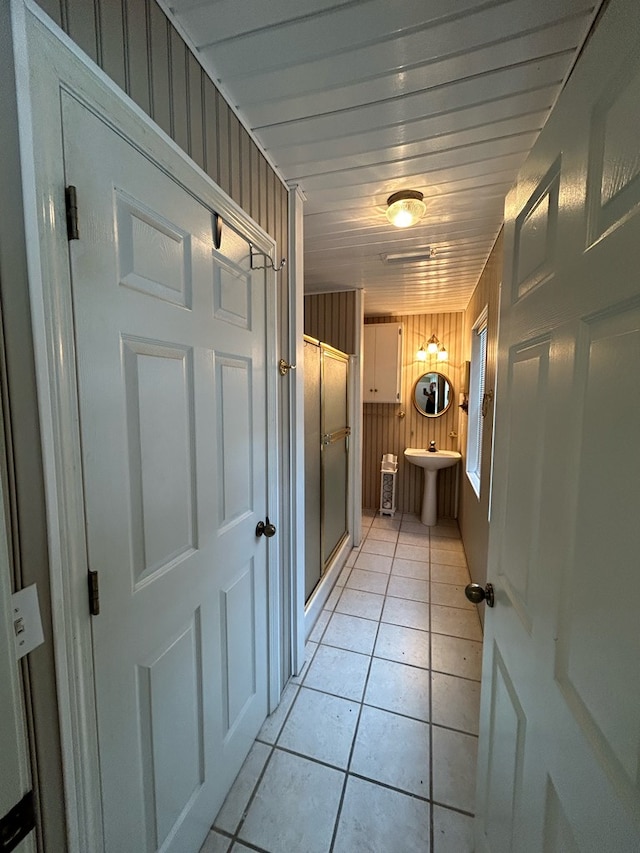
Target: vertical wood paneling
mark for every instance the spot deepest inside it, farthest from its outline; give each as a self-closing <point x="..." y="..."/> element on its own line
<point x="179" y="116"/>
<point x="330" y="318"/>
<point x="211" y="130"/>
<point x="224" y="160"/>
<point x="196" y="111"/>
<point x="159" y="67"/>
<point x="81" y="25"/>
<point x="141" y="51"/>
<point x="386" y="430"/>
<point x="137" y="53"/>
<point x="112" y="32"/>
<point x="245" y="169"/>
<point x="234" y="155"/>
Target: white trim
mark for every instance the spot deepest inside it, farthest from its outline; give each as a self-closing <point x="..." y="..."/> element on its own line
<point x="47" y="59"/>
<point x="357" y="420"/>
<point x="296" y="428"/>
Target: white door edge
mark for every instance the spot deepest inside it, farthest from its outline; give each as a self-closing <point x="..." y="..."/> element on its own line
<point x="45" y="60"/>
<point x="296" y="427"/>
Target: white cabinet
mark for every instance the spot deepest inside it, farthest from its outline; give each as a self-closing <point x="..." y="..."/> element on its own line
<point x="382" y="363"/>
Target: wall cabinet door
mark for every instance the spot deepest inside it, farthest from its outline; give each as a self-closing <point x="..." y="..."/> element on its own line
<point x="382" y="362"/>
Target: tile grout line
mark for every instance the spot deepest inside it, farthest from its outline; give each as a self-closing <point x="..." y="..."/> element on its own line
<point x="357" y="727"/>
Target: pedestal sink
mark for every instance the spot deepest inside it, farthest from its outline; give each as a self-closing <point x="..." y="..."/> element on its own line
<point x="431" y="462"/>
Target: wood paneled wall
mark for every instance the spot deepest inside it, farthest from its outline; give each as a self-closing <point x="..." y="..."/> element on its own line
<point x="136" y="45"/>
<point x="474" y="511"/>
<point x="331" y="318"/>
<point x="387" y="430"/>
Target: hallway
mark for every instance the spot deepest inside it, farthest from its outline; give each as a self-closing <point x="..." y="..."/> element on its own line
<point x="373" y="746"/>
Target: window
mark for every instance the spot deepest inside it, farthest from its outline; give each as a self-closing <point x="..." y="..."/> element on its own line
<point x="476" y="397"/>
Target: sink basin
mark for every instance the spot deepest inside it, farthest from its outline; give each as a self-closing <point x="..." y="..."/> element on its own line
<point x="431" y="463"/>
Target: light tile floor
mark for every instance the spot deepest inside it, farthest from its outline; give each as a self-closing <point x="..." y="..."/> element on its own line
<point x="373" y="747"/>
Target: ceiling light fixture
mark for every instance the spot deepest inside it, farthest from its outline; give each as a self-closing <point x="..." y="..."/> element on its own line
<point x="405" y="208"/>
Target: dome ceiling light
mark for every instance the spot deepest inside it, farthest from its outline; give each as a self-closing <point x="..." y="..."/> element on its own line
<point x="405" y="208"/>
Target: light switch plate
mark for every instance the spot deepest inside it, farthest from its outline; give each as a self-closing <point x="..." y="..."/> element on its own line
<point x="27" y="624"/>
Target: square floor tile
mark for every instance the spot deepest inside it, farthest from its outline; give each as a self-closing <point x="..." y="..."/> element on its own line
<point x="368" y="581"/>
<point x="272" y="725"/>
<point x="405" y="645"/>
<point x="377" y="820"/>
<point x="418" y="569"/>
<point x="383" y="534"/>
<point x="386" y="522"/>
<point x="374" y="563"/>
<point x="449" y="574"/>
<point x="321" y="726"/>
<point x="351" y="632"/>
<point x="456" y="656"/>
<point x="399" y="688"/>
<point x="295" y="806"/>
<point x="447" y="557"/>
<point x="413" y="552"/>
<point x="238" y="797"/>
<point x="455" y="702"/>
<point x="216" y="843"/>
<point x="451" y="595"/>
<point x="414" y="527"/>
<point x="447" y="528"/>
<point x="332" y="600"/>
<point x="240" y="848"/>
<point x="338" y="671"/>
<point x="447" y="543"/>
<point x="411" y="588"/>
<point x="378" y="546"/>
<point x="321" y="623"/>
<point x="455" y="622"/>
<point x="355" y="602"/>
<point x="343" y="577"/>
<point x="393" y="750"/>
<point x="419" y="539"/>
<point x="454" y="768"/>
<point x="411" y="614"/>
<point x="452" y="831"/>
<point x="309" y="652"/>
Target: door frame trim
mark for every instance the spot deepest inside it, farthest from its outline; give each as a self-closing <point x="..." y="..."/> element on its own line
<point x="46" y="61"/>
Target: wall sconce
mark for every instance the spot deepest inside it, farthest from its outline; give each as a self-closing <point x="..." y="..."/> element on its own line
<point x="405" y="208"/>
<point x="433" y="347"/>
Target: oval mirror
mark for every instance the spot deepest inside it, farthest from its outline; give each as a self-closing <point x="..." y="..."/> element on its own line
<point x="432" y="394"/>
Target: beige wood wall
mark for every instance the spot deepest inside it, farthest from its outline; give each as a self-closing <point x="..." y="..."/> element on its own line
<point x="474" y="511"/>
<point x="331" y="318"/>
<point x="387" y="430"/>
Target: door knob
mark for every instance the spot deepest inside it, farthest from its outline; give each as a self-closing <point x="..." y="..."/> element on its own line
<point x="265" y="528"/>
<point x="476" y="593"/>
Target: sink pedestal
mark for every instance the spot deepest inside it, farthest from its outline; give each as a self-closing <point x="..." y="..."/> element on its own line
<point x="429" y="515"/>
<point x="431" y="462"/>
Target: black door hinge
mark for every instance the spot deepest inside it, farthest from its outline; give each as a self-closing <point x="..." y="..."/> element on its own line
<point x="94" y="594"/>
<point x="17" y="823"/>
<point x="71" y="201"/>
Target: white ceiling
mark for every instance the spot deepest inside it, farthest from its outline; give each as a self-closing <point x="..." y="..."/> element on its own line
<point x="356" y="99"/>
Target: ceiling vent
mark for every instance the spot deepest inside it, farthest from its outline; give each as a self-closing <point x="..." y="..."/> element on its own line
<point x="413" y="256"/>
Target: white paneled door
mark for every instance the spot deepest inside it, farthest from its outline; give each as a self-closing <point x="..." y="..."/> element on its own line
<point x="559" y="758"/>
<point x="170" y="348"/>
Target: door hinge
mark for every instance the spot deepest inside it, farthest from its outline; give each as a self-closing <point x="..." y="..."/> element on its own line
<point x="94" y="594"/>
<point x="17" y="823"/>
<point x="71" y="202"/>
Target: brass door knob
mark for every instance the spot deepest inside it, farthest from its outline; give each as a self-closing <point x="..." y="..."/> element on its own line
<point x="476" y="593"/>
<point x="265" y="528"/>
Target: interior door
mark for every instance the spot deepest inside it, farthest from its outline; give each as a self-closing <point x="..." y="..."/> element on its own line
<point x="170" y="358"/>
<point x="560" y="713"/>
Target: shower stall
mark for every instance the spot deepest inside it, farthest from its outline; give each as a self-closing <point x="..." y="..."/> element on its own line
<point x="327" y="431"/>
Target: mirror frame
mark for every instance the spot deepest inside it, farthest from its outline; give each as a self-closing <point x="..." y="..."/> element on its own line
<point x="415" y="402"/>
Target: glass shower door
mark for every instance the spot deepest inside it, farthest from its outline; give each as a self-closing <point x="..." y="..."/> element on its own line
<point x="335" y="446"/>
